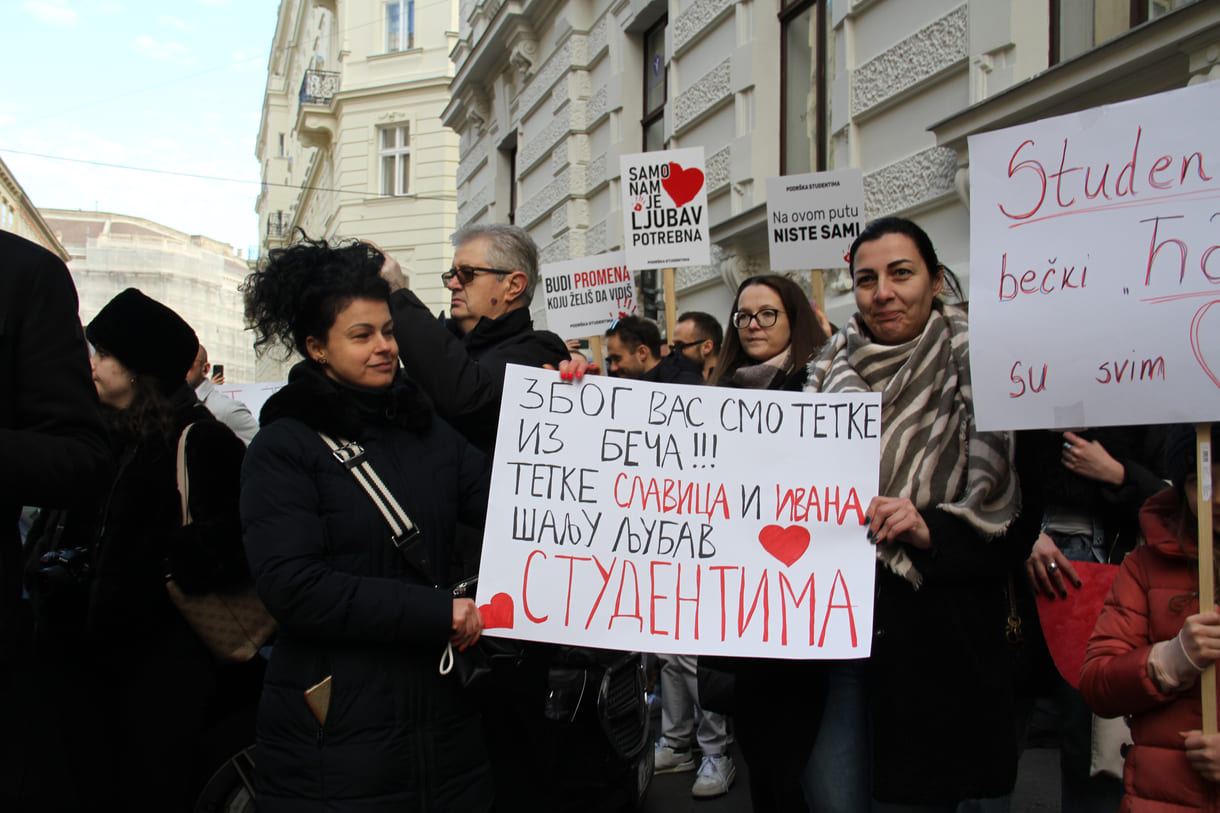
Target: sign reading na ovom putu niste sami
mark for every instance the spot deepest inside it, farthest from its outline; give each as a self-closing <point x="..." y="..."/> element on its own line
<point x="665" y="218"/>
<point x="688" y="519"/>
<point x="584" y="296"/>
<point x="812" y="219"/>
<point x="1095" y="266"/>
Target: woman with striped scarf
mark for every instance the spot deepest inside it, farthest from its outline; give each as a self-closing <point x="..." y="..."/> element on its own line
<point x="936" y="696"/>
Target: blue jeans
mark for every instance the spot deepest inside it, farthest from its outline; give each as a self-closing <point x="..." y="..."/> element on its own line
<point x="836" y="778"/>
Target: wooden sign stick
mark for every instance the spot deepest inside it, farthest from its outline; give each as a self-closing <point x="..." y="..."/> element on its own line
<point x="1207" y="586"/>
<point x="671" y="304"/>
<point x="595" y="347"/>
<point x="818" y="284"/>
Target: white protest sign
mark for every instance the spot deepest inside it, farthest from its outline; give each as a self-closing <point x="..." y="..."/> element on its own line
<point x="665" y="209"/>
<point x="689" y="519"/>
<point x="583" y="296"/>
<point x="1095" y="266"/>
<point x="252" y="395"/>
<point x="813" y="218"/>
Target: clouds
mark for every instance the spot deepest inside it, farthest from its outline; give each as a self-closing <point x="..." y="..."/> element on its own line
<point x="161" y="49"/>
<point x="174" y="22"/>
<point x="53" y="12"/>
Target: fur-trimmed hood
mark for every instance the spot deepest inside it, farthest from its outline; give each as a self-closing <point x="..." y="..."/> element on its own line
<point x="321" y="403"/>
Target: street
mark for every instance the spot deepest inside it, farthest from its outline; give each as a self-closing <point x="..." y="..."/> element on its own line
<point x="1037" y="788"/>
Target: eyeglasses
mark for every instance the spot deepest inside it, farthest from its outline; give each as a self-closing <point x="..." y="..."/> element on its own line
<point x="465" y="273"/>
<point x="765" y="318"/>
<point x="678" y="347"/>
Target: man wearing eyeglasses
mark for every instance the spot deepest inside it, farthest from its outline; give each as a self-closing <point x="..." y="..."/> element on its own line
<point x="633" y="350"/>
<point x="459" y="361"/>
<point x="698" y="335"/>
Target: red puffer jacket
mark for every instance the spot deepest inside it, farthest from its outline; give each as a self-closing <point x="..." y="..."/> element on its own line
<point x="1156" y="589"/>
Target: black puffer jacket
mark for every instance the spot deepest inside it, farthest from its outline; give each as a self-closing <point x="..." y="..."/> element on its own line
<point x="464" y="374"/>
<point x="398" y="735"/>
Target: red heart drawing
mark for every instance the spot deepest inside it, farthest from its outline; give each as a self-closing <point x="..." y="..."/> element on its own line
<point x="1196" y="345"/>
<point x="786" y="544"/>
<point x="682" y="184"/>
<point x="499" y="613"/>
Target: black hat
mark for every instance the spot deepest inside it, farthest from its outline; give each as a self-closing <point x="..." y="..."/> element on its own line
<point x="1181" y="453"/>
<point x="146" y="336"/>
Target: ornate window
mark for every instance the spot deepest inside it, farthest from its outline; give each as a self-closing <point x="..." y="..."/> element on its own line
<point x="399" y="25"/>
<point x="656" y="87"/>
<point x="1078" y="26"/>
<point x="395" y="152"/>
<point x="802" y="134"/>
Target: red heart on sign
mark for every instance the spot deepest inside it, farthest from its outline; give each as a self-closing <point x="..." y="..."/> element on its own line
<point x="1198" y="345"/>
<point x="499" y="613"/>
<point x="786" y="544"/>
<point x="682" y="184"/>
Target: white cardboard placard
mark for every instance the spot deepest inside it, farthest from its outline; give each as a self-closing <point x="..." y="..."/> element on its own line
<point x="813" y="218"/>
<point x="583" y="296"/>
<point x="1095" y="266"/>
<point x="688" y="519"/>
<point x="665" y="217"/>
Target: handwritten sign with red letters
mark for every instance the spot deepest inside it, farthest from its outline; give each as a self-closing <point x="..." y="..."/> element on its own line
<point x="686" y="519"/>
<point x="1095" y="266"/>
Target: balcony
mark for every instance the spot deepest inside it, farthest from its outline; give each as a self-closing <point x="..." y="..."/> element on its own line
<point x="316" y="122"/>
<point x="319" y="87"/>
<point x="277" y="228"/>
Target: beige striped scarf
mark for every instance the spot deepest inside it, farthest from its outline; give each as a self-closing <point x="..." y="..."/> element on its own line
<point x="931" y="452"/>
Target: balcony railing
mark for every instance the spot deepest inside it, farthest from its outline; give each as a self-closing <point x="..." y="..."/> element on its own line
<point x="319" y="87"/>
<point x="277" y="225"/>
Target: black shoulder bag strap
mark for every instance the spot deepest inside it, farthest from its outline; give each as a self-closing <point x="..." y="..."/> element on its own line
<point x="403" y="532"/>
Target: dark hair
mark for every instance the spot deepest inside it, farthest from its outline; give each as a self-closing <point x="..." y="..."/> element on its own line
<point x="633" y="331"/>
<point x="299" y="290"/>
<point x="150" y="413"/>
<point x="707" y="325"/>
<point x="900" y="225"/>
<point x="805" y="333"/>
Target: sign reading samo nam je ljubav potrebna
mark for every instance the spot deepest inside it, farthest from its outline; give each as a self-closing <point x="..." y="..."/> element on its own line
<point x="667" y="518"/>
<point x="813" y="218"/>
<point x="1095" y="266"/>
<point x="665" y="219"/>
<point x="584" y="296"/>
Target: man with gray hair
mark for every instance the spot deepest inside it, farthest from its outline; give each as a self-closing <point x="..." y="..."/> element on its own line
<point x="459" y="362"/>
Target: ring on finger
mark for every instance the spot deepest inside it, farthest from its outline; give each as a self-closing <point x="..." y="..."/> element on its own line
<point x="1052" y="567"/>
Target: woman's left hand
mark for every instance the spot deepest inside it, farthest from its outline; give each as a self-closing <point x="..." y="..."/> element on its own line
<point x="896" y="519"/>
<point x="467" y="623"/>
<point x="574" y="368"/>
<point x="1203" y="754"/>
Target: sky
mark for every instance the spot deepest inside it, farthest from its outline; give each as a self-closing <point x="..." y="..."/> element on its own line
<point x="172" y="87"/>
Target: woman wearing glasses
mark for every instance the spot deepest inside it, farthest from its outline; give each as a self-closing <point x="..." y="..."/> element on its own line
<point x="773" y="334"/>
<point x="936" y="694"/>
<point x="354" y="714"/>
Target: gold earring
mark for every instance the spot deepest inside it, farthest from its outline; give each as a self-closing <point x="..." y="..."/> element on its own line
<point x="322" y="360"/>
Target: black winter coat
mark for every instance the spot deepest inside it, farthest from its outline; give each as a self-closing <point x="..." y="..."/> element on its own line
<point x="398" y="735"/>
<point x="464" y="374"/>
<point x="53" y="450"/>
<point x="136" y="689"/>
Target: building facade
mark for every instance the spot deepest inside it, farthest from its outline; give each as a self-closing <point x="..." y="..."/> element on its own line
<point x="549" y="93"/>
<point x="19" y="216"/>
<point x="196" y="276"/>
<point x="351" y="143"/>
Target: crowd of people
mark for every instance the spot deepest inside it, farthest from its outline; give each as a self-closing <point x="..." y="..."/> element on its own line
<point x="356" y="513"/>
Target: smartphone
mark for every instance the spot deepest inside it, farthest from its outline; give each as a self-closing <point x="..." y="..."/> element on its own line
<point x="218" y="370"/>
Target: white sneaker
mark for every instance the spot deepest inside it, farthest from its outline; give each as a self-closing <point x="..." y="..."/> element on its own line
<point x="667" y="760"/>
<point x="716" y="775"/>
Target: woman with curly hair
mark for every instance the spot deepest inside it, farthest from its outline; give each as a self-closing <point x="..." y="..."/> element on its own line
<point x="363" y="625"/>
